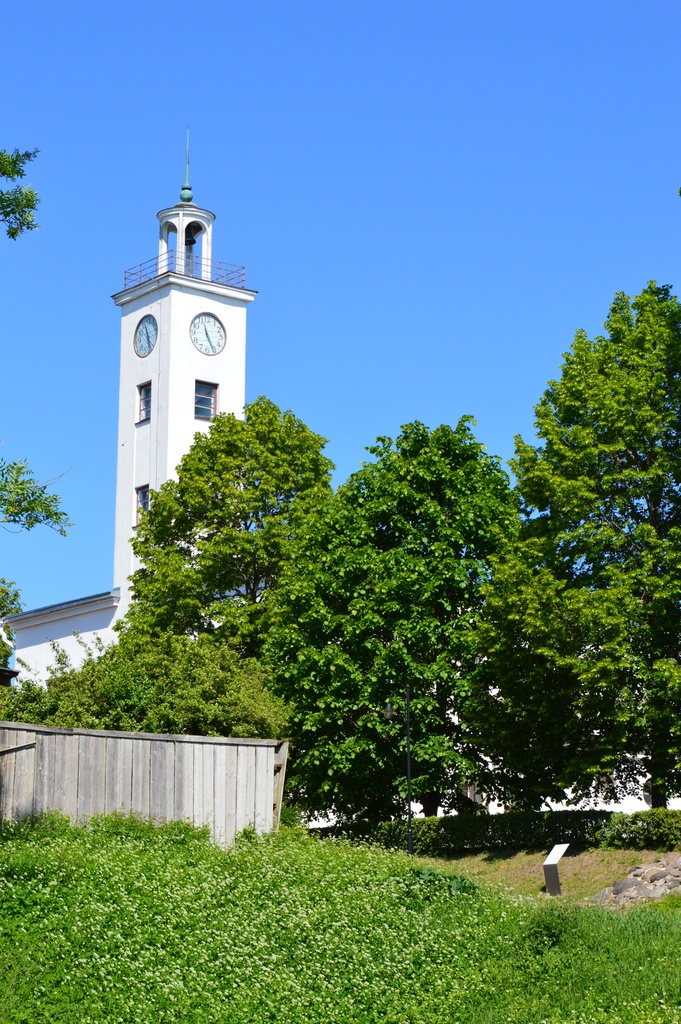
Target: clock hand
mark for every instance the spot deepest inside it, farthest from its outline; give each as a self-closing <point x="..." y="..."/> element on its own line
<point x="212" y="346"/>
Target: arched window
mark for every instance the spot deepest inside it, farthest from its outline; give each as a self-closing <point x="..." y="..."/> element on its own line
<point x="192" y="249"/>
<point x="169" y="249"/>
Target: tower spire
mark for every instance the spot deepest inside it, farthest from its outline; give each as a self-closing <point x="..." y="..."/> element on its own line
<point x="186" y="195"/>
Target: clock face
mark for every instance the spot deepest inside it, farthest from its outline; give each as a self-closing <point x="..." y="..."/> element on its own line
<point x="145" y="335"/>
<point x="208" y="334"/>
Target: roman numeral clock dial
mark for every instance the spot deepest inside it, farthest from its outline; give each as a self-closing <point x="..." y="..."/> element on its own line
<point x="207" y="334"/>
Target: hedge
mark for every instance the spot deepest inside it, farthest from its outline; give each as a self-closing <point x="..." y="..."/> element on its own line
<point x="524" y="830"/>
<point x="657" y="829"/>
<point x="467" y="833"/>
<point x="519" y="830"/>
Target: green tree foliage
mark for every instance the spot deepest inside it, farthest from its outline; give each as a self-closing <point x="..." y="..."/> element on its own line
<point x="24" y="503"/>
<point x="18" y="204"/>
<point x="383" y="589"/>
<point x="580" y="646"/>
<point x="166" y="684"/>
<point x="10" y="603"/>
<point x="213" y="541"/>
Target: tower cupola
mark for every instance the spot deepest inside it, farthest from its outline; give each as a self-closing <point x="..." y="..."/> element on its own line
<point x="185" y="243"/>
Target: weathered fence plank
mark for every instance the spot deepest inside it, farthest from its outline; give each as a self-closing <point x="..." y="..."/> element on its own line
<point x="124" y="776"/>
<point x="280" y="758"/>
<point x="241" y="805"/>
<point x="43" y="797"/>
<point x="4" y="743"/>
<point x="141" y="771"/>
<point x="67" y="780"/>
<point x="88" y="781"/>
<point x="220" y="793"/>
<point x="197" y="801"/>
<point x="181" y="792"/>
<point x="24" y="781"/>
<point x="250" y="787"/>
<point x="111" y="782"/>
<point x="10" y="740"/>
<point x="207" y="808"/>
<point x="230" y="787"/>
<point x="261" y="806"/>
<point x="166" y="782"/>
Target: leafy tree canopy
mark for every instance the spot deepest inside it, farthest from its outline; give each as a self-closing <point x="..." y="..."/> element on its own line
<point x="383" y="590"/>
<point x="10" y="603"/>
<point x="24" y="503"/>
<point x="18" y="204"/>
<point x="580" y="647"/>
<point x="213" y="541"/>
<point x="165" y="684"/>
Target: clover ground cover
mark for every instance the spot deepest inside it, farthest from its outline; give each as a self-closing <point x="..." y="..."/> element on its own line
<point x="125" y="923"/>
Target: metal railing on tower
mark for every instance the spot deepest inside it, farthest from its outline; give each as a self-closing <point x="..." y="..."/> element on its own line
<point x="173" y="262"/>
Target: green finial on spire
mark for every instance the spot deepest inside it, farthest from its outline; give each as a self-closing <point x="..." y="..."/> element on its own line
<point x="186" y="195"/>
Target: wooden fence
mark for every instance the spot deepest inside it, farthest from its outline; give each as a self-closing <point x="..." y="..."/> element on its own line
<point x="229" y="784"/>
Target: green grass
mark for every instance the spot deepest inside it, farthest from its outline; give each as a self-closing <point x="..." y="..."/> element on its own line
<point x="582" y="872"/>
<point x="122" y="923"/>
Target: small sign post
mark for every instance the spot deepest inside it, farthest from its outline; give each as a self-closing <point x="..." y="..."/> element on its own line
<point x="551" y="869"/>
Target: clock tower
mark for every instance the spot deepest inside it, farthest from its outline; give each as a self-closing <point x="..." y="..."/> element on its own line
<point x="183" y="360"/>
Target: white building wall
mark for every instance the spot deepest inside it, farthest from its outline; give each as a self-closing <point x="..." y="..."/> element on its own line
<point x="73" y="624"/>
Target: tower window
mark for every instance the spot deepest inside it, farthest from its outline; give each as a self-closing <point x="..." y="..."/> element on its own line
<point x="142" y="500"/>
<point x="205" y="400"/>
<point x="144" y="402"/>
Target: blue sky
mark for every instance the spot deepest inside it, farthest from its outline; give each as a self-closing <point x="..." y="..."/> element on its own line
<point x="429" y="198"/>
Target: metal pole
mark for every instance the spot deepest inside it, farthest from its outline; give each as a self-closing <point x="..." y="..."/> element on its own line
<point x="410" y="844"/>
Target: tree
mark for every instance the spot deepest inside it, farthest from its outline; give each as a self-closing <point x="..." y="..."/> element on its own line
<point x="166" y="684"/>
<point x="213" y="541"/>
<point x="580" y="666"/>
<point x="10" y="604"/>
<point x="17" y="205"/>
<point x="383" y="590"/>
<point x="24" y="504"/>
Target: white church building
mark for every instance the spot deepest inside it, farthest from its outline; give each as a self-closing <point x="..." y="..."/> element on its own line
<point x="183" y="360"/>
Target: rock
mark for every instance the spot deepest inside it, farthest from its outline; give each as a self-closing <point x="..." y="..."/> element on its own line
<point x="645" y="882"/>
<point x="646" y="892"/>
<point x="626" y="883"/>
<point x="603" y="896"/>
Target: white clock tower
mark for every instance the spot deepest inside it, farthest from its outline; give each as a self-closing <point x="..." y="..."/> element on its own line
<point x="183" y="361"/>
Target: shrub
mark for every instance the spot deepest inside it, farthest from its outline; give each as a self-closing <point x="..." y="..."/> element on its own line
<point x="657" y="829"/>
<point x="165" y="684"/>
